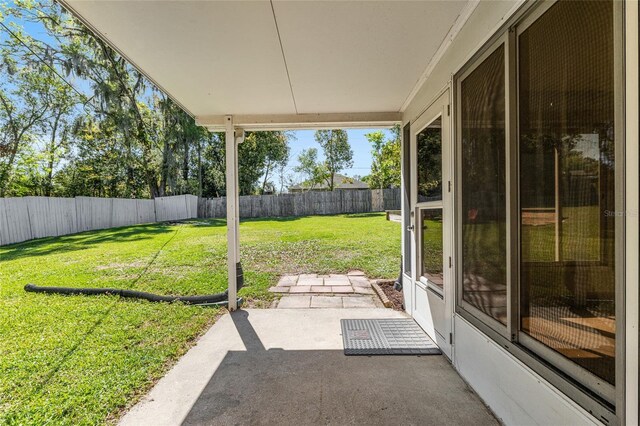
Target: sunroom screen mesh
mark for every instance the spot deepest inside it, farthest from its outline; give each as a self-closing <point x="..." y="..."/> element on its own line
<point x="567" y="190"/>
<point x="482" y="96"/>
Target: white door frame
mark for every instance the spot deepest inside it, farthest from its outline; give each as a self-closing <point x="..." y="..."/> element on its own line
<point x="431" y="308"/>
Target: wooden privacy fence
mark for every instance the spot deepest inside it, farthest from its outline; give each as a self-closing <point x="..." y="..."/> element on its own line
<point x="305" y="203"/>
<point x="26" y="218"/>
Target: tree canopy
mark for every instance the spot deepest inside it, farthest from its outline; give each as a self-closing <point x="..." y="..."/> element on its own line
<point x="337" y="157"/>
<point x="77" y="119"/>
<point x="310" y="168"/>
<point x="337" y="153"/>
<point x="385" y="168"/>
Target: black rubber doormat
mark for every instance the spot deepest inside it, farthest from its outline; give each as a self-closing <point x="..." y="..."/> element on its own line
<point x="385" y="337"/>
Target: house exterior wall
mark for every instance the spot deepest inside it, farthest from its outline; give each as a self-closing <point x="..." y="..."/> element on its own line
<point x="515" y="392"/>
<point x="481" y="25"/>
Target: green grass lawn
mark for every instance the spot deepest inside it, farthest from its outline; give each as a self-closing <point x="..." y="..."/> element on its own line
<point x="83" y="360"/>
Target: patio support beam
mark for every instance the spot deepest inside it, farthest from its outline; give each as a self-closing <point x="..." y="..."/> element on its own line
<point x="233" y="237"/>
<point x="303" y="121"/>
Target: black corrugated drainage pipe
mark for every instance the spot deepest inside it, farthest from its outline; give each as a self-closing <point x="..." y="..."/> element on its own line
<point x="218" y="299"/>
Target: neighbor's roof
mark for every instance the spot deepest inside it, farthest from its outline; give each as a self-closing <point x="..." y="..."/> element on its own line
<point x="339" y="181"/>
<point x="272" y="60"/>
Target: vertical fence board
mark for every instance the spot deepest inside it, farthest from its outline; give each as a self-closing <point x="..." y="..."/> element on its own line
<point x="391" y="199"/>
<point x="163" y="208"/>
<point x="288" y="208"/>
<point x="81" y="215"/>
<point x="222" y="209"/>
<point x="202" y="207"/>
<point x="17" y="213"/>
<point x="145" y="211"/>
<point x="93" y="213"/>
<point x="4" y="227"/>
<point x="124" y="212"/>
<point x="39" y="218"/>
<point x="171" y="208"/>
<point x="192" y="206"/>
<point x="63" y="211"/>
<point x="376" y="200"/>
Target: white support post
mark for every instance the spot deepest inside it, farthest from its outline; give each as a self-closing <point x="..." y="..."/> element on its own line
<point x="233" y="246"/>
<point x="239" y="138"/>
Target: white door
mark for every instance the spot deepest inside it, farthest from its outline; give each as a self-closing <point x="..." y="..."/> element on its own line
<point x="431" y="200"/>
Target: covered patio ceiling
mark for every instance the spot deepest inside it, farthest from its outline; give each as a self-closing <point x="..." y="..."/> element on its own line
<point x="275" y="64"/>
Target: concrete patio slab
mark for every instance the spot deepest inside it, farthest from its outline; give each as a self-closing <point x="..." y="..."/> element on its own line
<point x="246" y="370"/>
<point x="358" y="302"/>
<point x="326" y="302"/>
<point x="310" y="281"/>
<point x="287" y="280"/>
<point x="300" y="289"/>
<point x="362" y="290"/>
<point x="294" y="302"/>
<point x="322" y="284"/>
<point x="308" y="276"/>
<point x="337" y="281"/>
<point x="359" y="281"/>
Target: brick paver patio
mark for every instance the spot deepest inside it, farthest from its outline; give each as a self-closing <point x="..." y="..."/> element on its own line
<point x="352" y="290"/>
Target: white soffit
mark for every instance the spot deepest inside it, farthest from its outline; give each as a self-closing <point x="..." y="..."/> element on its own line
<point x="213" y="57"/>
<point x="286" y="58"/>
<point x="357" y="55"/>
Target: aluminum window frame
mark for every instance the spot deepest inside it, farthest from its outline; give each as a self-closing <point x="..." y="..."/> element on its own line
<point x="603" y="389"/>
<point x="605" y="402"/>
<point x="472" y="65"/>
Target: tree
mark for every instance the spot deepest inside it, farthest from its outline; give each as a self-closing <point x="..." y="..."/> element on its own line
<point x="385" y="168"/>
<point x="284" y="177"/>
<point x="277" y="155"/>
<point x="311" y="169"/>
<point x="121" y="95"/>
<point x="212" y="166"/>
<point x="115" y="134"/>
<point x="148" y="131"/>
<point x="337" y="152"/>
<point x="59" y="127"/>
<point x="25" y="102"/>
<point x="258" y="156"/>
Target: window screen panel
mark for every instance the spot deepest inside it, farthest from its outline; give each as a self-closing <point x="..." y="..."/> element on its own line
<point x="482" y="115"/>
<point x="567" y="188"/>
